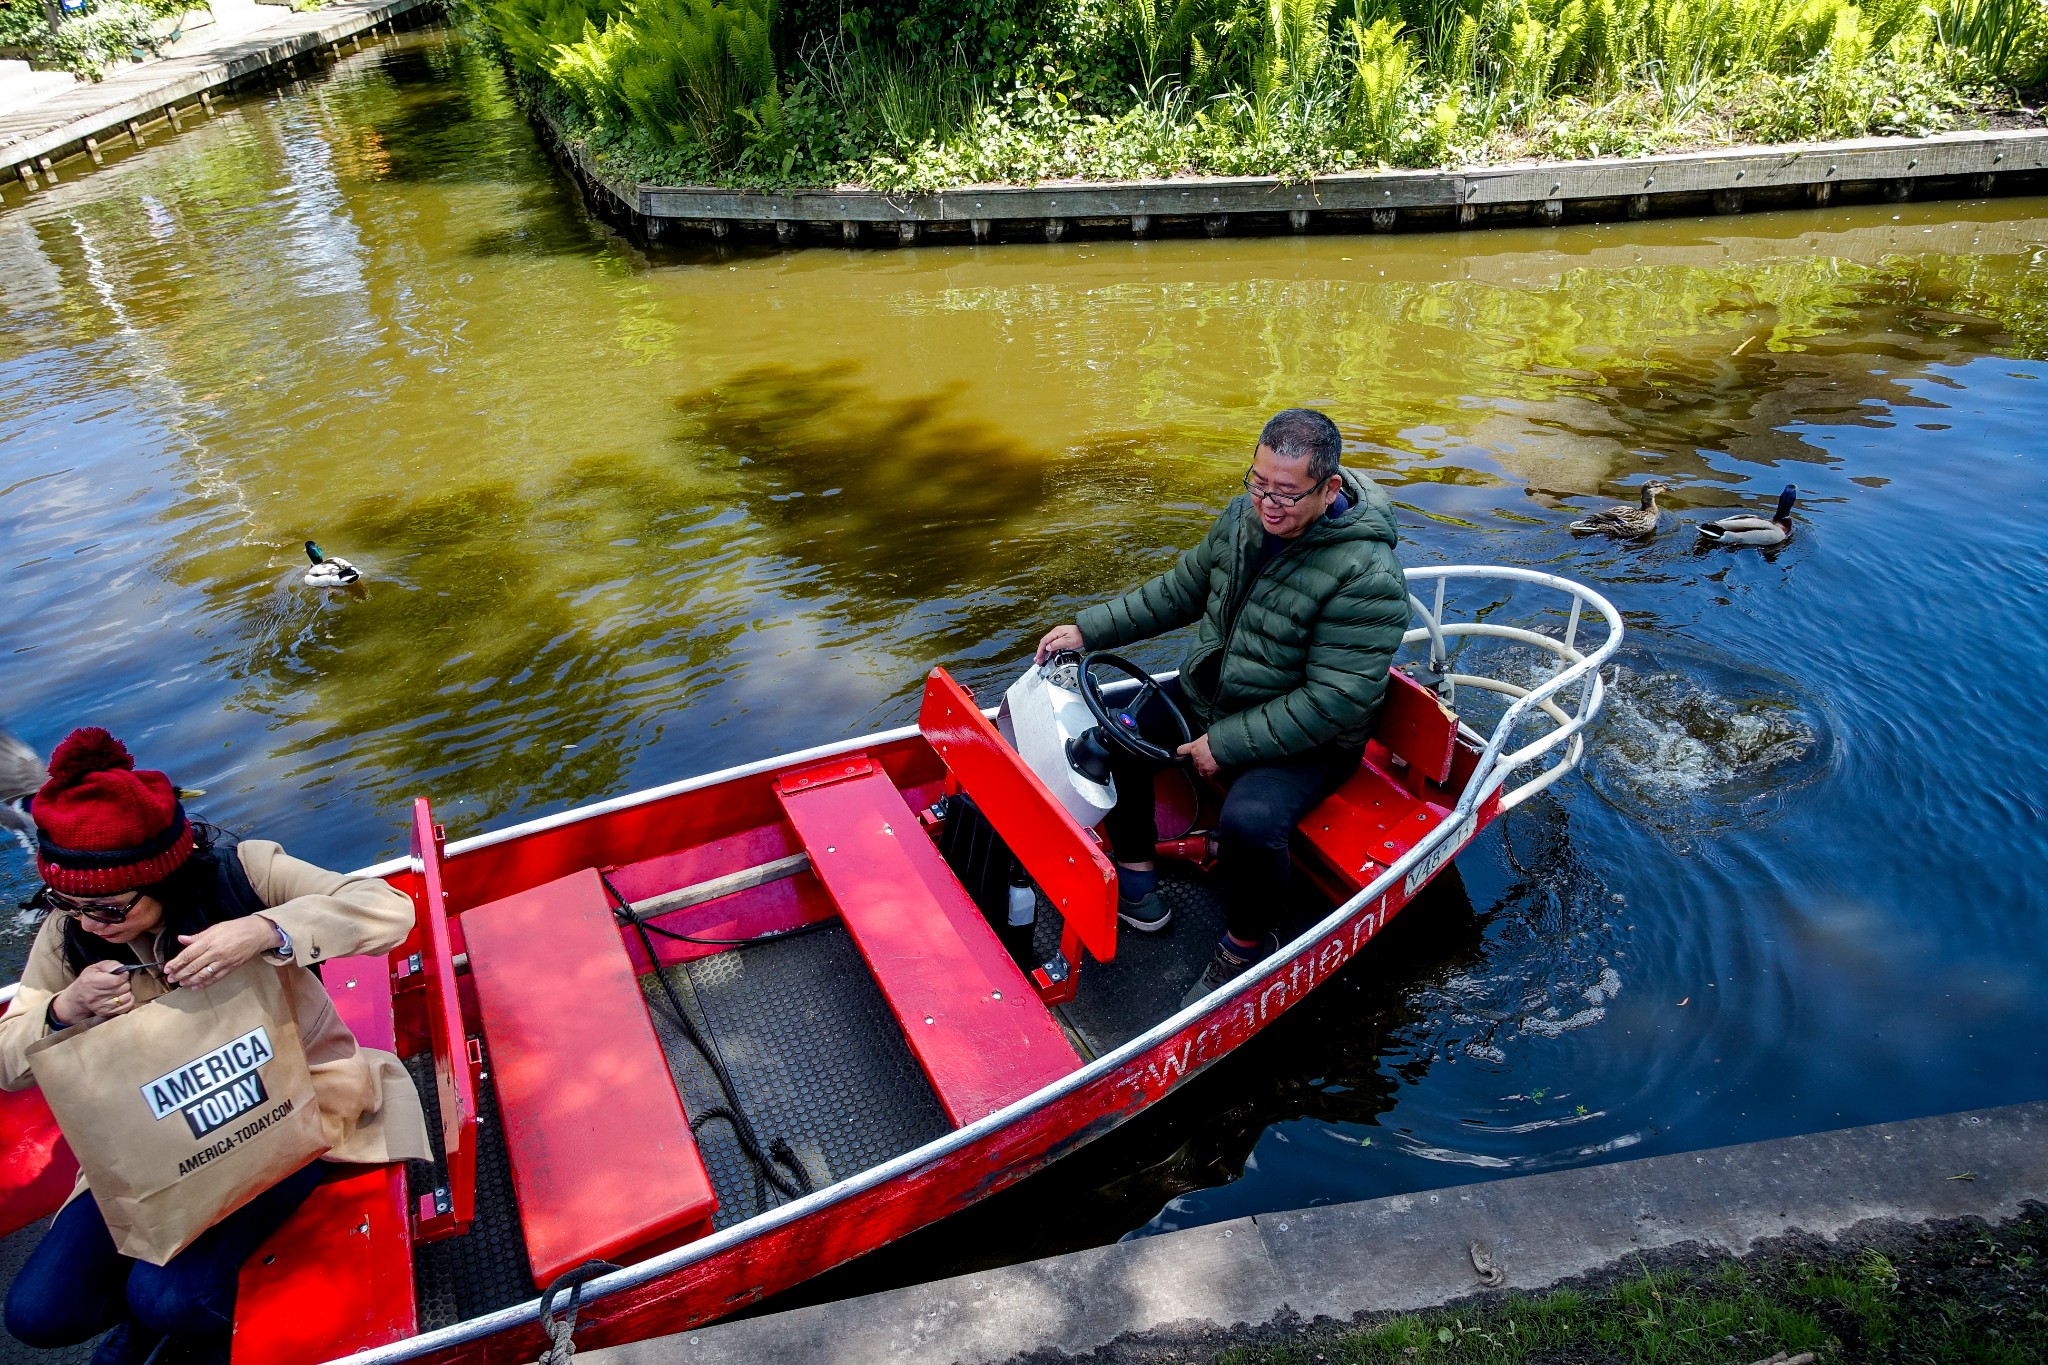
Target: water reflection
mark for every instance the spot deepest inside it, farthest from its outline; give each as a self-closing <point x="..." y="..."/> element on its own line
<point x="625" y="517"/>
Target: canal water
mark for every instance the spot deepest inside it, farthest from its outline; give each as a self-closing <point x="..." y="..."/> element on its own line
<point x="624" y="518"/>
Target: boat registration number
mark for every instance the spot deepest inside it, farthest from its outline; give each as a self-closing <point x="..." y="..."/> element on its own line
<point x="1419" y="876"/>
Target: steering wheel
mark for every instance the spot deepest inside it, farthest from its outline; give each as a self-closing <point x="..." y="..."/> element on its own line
<point x="1120" y="726"/>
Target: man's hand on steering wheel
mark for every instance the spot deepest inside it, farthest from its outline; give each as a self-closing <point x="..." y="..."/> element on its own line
<point x="1198" y="754"/>
<point x="1059" y="639"/>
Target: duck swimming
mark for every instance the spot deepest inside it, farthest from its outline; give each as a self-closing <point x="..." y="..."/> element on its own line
<point x="21" y="774"/>
<point x="1746" y="529"/>
<point x="1629" y="523"/>
<point x="328" y="572"/>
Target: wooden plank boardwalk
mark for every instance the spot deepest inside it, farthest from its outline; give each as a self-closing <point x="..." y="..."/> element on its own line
<point x="34" y="138"/>
<point x="1720" y="180"/>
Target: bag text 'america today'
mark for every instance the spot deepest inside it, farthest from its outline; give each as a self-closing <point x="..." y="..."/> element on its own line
<point x="196" y="1079"/>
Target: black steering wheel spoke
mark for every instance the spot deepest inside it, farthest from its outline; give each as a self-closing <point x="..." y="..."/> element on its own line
<point x="1122" y="727"/>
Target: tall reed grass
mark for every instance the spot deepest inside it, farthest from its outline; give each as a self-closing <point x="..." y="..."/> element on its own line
<point x="1290" y="86"/>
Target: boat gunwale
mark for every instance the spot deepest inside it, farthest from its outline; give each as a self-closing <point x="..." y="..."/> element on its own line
<point x="1488" y="776"/>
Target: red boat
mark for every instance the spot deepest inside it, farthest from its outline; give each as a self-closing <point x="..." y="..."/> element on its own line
<point x="689" y="1047"/>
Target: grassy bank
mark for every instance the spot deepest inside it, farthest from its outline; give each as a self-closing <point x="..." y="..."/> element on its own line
<point x="1968" y="1295"/>
<point x="923" y="94"/>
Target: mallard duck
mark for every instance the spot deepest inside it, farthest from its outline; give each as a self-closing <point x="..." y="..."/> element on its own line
<point x="1745" y="529"/>
<point x="21" y="775"/>
<point x="1627" y="522"/>
<point x="328" y="572"/>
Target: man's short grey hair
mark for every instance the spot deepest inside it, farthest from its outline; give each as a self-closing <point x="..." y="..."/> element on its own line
<point x="1305" y="434"/>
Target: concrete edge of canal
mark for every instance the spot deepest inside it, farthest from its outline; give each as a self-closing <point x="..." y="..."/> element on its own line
<point x="36" y="138"/>
<point x="1412" y="1252"/>
<point x="1961" y="165"/>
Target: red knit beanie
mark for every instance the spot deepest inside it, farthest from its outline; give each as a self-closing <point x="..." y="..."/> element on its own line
<point x="101" y="827"/>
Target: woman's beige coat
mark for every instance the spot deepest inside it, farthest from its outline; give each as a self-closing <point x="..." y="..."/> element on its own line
<point x="367" y="1102"/>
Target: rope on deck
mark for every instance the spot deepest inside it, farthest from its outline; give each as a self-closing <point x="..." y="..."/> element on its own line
<point x="561" y="1332"/>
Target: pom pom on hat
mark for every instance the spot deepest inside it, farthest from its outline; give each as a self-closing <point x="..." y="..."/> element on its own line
<point x="88" y="750"/>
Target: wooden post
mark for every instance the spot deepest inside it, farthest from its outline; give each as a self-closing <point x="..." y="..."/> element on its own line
<point x="1822" y="194"/>
<point x="1298" y="219"/>
<point x="171" y="113"/>
<point x="1638" y="206"/>
<point x="1984" y="184"/>
<point x="849" y="231"/>
<point x="135" y="132"/>
<point x="92" y="149"/>
<point x="906" y="233"/>
<point x="1468" y="214"/>
<point x="1055" y="228"/>
<point x="28" y="176"/>
<point x="49" y="169"/>
<point x="981" y="227"/>
<point x="1383" y="219"/>
<point x="1141" y="223"/>
<point x="1549" y="211"/>
<point x="206" y="101"/>
<point x="1216" y="224"/>
<point x="1898" y="191"/>
<point x="785" y="232"/>
<point x="1727" y="201"/>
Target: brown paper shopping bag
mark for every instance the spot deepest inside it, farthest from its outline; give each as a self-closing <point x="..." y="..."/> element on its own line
<point x="185" y="1108"/>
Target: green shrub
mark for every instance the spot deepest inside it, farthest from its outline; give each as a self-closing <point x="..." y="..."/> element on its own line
<point x="1997" y="40"/>
<point x="692" y="72"/>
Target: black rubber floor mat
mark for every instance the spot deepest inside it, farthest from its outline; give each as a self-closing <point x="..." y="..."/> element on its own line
<point x="485" y="1269"/>
<point x="815" y="1054"/>
<point x="14" y="1250"/>
<point x="1144" y="982"/>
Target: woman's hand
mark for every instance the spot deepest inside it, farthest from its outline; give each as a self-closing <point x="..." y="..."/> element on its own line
<point x="218" y="949"/>
<point x="99" y="992"/>
<point x="1059" y="638"/>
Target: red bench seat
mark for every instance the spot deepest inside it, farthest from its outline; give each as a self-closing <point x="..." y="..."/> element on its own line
<point x="337" y="1277"/>
<point x="1371" y="820"/>
<point x="603" y="1161"/>
<point x="973" y="1021"/>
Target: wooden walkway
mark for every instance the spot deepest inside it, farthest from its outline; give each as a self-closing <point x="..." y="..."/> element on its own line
<point x="34" y="138"/>
<point x="1722" y="180"/>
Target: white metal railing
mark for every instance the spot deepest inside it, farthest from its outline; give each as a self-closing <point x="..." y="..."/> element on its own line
<point x="1496" y="763"/>
<point x="1568" y="717"/>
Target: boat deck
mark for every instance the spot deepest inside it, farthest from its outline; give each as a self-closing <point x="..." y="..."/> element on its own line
<point x="1145" y="981"/>
<point x="813" y="1052"/>
<point x="486" y="1270"/>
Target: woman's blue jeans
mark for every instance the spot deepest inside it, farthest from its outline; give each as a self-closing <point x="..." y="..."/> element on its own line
<point x="75" y="1286"/>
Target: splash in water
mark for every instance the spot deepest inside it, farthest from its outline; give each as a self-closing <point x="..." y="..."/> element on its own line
<point x="1690" y="746"/>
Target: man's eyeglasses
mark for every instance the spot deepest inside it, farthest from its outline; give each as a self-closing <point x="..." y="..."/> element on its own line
<point x="98" y="911"/>
<point x="1277" y="498"/>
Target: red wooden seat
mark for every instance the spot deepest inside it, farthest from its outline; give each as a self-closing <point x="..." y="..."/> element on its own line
<point x="1372" y="819"/>
<point x="602" y="1157"/>
<point x="37" y="1169"/>
<point x="337" y="1277"/>
<point x="974" y="1022"/>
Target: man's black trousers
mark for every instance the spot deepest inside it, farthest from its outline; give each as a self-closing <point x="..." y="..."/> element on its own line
<point x="1261" y="806"/>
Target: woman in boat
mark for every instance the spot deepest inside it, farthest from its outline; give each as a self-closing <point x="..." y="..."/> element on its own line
<point x="130" y="880"/>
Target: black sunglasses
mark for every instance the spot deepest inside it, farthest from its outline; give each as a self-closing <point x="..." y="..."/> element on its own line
<point x="99" y="912"/>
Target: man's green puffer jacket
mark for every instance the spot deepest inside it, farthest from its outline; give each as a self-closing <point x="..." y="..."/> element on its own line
<point x="1305" y="643"/>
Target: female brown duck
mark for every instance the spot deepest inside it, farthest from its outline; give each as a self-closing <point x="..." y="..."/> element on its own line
<point x="131" y="881"/>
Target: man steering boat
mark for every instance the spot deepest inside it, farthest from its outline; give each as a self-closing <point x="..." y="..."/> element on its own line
<point x="1299" y="605"/>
